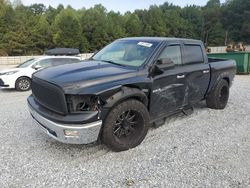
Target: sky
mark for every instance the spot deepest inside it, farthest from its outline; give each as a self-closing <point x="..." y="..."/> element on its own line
<point x="116" y="5"/>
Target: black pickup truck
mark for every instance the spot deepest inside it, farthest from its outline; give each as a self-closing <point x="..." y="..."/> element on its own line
<point x="124" y="88"/>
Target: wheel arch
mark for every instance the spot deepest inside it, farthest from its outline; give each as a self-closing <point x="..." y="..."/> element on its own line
<point x="125" y="93"/>
<point x="227" y="79"/>
<point x="217" y="77"/>
<point x="22" y="77"/>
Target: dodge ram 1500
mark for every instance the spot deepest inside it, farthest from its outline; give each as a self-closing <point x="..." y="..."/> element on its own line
<point x="124" y="88"/>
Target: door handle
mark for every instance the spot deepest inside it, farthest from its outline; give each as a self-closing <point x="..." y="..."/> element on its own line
<point x="180" y="76"/>
<point x="206" y="71"/>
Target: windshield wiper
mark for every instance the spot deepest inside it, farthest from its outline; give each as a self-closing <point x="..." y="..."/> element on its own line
<point x="112" y="62"/>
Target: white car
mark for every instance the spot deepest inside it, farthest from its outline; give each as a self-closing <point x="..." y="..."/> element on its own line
<point x="20" y="77"/>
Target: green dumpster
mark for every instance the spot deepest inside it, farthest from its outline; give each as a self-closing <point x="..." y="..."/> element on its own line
<point x="249" y="64"/>
<point x="242" y="59"/>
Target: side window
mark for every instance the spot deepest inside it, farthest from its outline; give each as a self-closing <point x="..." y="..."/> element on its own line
<point x="44" y="63"/>
<point x="193" y="54"/>
<point x="173" y="53"/>
<point x="59" y="61"/>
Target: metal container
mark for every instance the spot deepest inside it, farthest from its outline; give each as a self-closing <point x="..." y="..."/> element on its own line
<point x="242" y="59"/>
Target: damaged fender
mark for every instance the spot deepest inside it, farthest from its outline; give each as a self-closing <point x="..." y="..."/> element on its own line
<point x="123" y="94"/>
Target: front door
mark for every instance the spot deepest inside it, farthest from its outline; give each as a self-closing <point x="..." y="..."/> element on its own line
<point x="168" y="89"/>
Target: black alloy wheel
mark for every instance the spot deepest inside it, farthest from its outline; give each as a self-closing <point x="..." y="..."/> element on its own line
<point x="126" y="125"/>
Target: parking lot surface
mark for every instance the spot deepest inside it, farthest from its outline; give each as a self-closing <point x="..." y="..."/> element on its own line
<point x="210" y="148"/>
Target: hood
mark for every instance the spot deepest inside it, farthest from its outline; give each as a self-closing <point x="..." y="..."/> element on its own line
<point x="9" y="70"/>
<point x="85" y="74"/>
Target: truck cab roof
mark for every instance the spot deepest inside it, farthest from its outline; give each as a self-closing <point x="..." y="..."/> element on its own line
<point x="162" y="39"/>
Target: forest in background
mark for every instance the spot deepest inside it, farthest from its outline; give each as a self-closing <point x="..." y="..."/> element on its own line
<point x="29" y="30"/>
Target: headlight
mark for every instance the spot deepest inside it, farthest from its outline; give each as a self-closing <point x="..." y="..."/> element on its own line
<point x="78" y="103"/>
<point x="9" y="73"/>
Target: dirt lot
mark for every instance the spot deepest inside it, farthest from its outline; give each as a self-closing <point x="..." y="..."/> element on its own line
<point x="209" y="148"/>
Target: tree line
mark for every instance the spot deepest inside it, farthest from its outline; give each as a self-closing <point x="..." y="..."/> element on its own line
<point x="26" y="30"/>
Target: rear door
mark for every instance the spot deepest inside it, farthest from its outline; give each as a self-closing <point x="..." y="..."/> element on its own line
<point x="197" y="72"/>
<point x="168" y="89"/>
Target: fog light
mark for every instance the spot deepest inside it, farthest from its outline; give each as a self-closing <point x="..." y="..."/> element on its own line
<point x="71" y="133"/>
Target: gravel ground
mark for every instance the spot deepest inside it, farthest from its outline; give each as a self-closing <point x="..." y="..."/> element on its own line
<point x="209" y="148"/>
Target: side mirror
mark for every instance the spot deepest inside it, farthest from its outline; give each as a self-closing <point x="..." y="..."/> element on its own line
<point x="37" y="67"/>
<point x="160" y="66"/>
<point x="165" y="64"/>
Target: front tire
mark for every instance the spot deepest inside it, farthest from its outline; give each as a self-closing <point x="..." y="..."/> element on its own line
<point x="218" y="97"/>
<point x="126" y="125"/>
<point x="23" y="84"/>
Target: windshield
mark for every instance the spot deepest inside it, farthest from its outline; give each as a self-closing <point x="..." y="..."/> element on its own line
<point x="126" y="52"/>
<point x="26" y="63"/>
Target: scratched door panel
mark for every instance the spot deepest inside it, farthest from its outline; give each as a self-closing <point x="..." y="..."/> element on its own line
<point x="197" y="77"/>
<point x="167" y="92"/>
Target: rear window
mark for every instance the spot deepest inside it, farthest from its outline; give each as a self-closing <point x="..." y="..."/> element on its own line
<point x="193" y="54"/>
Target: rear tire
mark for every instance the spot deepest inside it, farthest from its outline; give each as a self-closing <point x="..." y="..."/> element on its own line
<point x="218" y="97"/>
<point x="23" y="84"/>
<point x="126" y="125"/>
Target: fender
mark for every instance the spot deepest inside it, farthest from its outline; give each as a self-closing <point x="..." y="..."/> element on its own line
<point x="223" y="75"/>
<point x="123" y="94"/>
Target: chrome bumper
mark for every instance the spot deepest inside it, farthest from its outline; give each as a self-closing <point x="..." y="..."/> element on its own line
<point x="83" y="134"/>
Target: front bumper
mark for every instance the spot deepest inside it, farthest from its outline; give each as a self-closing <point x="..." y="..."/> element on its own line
<point x="7" y="82"/>
<point x="86" y="133"/>
<point x="2" y="84"/>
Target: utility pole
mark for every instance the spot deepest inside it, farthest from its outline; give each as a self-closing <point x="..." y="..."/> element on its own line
<point x="226" y="36"/>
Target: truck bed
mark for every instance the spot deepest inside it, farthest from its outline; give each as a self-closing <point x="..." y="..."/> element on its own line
<point x="212" y="60"/>
<point x="221" y="67"/>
